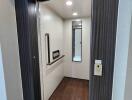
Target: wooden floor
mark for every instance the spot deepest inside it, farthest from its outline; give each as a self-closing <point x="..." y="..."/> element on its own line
<point x="71" y="89"/>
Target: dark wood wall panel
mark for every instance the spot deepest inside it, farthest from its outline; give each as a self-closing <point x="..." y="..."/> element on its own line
<point x="28" y="48"/>
<point x="104" y="24"/>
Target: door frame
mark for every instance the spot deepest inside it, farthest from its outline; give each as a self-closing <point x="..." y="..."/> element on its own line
<point x="22" y="13"/>
<point x="103" y="42"/>
<point x="26" y="17"/>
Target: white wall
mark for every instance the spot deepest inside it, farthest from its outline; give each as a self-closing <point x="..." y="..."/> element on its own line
<point x="121" y="54"/>
<point x="51" y="23"/>
<point x="128" y="85"/>
<point x="3" y="95"/>
<point x="75" y="69"/>
<point x="10" y="51"/>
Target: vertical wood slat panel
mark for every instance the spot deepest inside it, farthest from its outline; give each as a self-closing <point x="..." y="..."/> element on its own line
<point x="28" y="48"/>
<point x="104" y="22"/>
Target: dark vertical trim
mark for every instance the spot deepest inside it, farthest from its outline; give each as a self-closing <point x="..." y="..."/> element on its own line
<point x="73" y="43"/>
<point x="28" y="48"/>
<point x="48" y="46"/>
<point x="104" y="23"/>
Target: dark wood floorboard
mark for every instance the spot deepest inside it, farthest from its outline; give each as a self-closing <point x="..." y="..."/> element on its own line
<point x="71" y="89"/>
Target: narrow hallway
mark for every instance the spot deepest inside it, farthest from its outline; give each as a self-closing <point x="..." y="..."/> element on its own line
<point x="65" y="49"/>
<point x="64" y="46"/>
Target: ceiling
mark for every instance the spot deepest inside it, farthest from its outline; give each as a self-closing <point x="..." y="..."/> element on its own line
<point x="82" y="7"/>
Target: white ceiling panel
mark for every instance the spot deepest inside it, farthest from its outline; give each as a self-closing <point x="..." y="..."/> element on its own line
<point x="82" y="7"/>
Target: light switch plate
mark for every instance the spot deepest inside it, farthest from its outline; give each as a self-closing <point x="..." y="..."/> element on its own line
<point x="98" y="68"/>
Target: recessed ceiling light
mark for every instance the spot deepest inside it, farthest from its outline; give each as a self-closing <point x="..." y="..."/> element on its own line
<point x="80" y="24"/>
<point x="75" y="14"/>
<point x="69" y="3"/>
<point x="78" y="19"/>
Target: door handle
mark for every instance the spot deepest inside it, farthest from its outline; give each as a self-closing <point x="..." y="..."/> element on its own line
<point x="34" y="57"/>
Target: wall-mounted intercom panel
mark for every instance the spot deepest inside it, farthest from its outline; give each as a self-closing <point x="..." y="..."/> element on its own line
<point x="98" y="68"/>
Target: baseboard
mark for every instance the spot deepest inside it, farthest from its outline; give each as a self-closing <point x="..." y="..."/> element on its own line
<point x="75" y="78"/>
